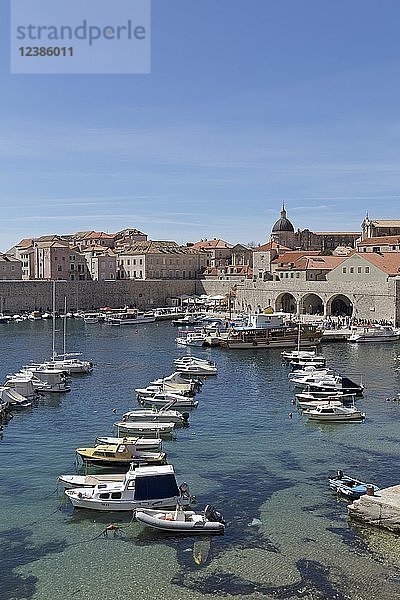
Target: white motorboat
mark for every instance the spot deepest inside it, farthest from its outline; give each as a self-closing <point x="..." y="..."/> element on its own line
<point x="305" y="380"/>
<point x="193" y="360"/>
<point x="54" y="380"/>
<point x="197" y="369"/>
<point x="377" y="333"/>
<point x="298" y="354"/>
<point x="143" y="428"/>
<point x="189" y="319"/>
<point x="309" y="396"/>
<point x="192" y="338"/>
<point x="141" y="443"/>
<point x="92" y="318"/>
<point x="162" y="398"/>
<point x="90" y="481"/>
<point x="13" y="400"/>
<point x="72" y="366"/>
<point x="336" y="384"/>
<point x="164" y="415"/>
<point x="144" y="487"/>
<point x="311" y="404"/>
<point x="22" y="385"/>
<point x="310" y="371"/>
<point x="209" y="522"/>
<point x="35" y="315"/>
<point x="177" y="380"/>
<point x="332" y="414"/>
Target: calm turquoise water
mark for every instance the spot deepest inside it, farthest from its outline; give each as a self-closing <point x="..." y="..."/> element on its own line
<point x="287" y="537"/>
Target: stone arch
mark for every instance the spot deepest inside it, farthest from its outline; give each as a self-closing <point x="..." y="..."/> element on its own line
<point x="339" y="305"/>
<point x="312" y="304"/>
<point x="286" y="303"/>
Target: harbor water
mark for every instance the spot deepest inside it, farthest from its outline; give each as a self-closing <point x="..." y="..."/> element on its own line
<point x="287" y="534"/>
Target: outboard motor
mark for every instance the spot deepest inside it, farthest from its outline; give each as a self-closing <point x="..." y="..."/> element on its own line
<point x="213" y="515"/>
<point x="185" y="492"/>
<point x="339" y="474"/>
<point x="185" y="416"/>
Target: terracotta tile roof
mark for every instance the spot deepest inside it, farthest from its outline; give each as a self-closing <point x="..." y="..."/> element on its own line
<point x="381" y="241"/>
<point x="25" y="243"/>
<point x="311" y="263"/>
<point x="293" y="256"/>
<point x="212" y="244"/>
<point x="270" y="246"/>
<point x="388" y="262"/>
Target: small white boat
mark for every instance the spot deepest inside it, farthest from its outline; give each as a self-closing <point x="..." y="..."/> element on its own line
<point x="298" y="354"/>
<point x="162" y="398"/>
<point x="164" y="415"/>
<point x="35" y="315"/>
<point x="335" y="414"/>
<point x="22" y="385"/>
<point x="193" y="360"/>
<point x="141" y="443"/>
<point x="131" y="317"/>
<point x="54" y="379"/>
<point x="13" y="400"/>
<point x="381" y="333"/>
<point x="197" y="369"/>
<point x="144" y="487"/>
<point x="312" y="404"/>
<point x="143" y="428"/>
<point x="92" y="318"/>
<point x="310" y="371"/>
<point x="192" y="338"/>
<point x="209" y="522"/>
<point x="309" y="397"/>
<point x="90" y="481"/>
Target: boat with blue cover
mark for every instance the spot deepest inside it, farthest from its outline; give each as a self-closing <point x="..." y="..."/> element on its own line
<point x="350" y="487"/>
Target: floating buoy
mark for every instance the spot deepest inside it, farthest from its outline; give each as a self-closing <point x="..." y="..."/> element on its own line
<point x="290" y="415"/>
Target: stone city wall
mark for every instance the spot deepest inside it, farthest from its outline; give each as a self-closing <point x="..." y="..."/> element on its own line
<point x="25" y="296"/>
<point x="371" y="302"/>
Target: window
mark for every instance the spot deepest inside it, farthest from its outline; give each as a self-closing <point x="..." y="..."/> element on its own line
<point x="351" y="269"/>
<point x="72" y="266"/>
<point x="292" y="275"/>
<point x="359" y="269"/>
<point x="116" y="496"/>
<point x="59" y="268"/>
<point x="129" y="262"/>
<point x="297" y="275"/>
<point x="141" y="275"/>
<point x="104" y="496"/>
<point x="375" y="249"/>
<point x="367" y="269"/>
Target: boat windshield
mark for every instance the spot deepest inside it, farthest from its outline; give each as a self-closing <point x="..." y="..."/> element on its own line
<point x="161" y="486"/>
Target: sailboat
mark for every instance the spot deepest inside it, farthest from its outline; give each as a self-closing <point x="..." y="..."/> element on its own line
<point x="68" y="361"/>
<point x="65" y="362"/>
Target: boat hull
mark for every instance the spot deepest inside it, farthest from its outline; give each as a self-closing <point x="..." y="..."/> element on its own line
<point x="181" y="527"/>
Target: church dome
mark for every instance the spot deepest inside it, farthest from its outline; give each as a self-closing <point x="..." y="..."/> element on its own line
<point x="283" y="224"/>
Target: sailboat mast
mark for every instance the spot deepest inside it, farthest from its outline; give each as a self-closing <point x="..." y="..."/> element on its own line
<point x="53" y="354"/>
<point x="65" y="326"/>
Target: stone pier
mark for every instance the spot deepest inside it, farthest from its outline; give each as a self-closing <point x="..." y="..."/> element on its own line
<point x="381" y="510"/>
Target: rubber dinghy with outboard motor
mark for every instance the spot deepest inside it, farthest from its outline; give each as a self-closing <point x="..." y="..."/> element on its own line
<point x="209" y="522"/>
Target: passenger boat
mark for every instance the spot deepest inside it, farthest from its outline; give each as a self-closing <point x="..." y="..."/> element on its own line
<point x="335" y="414"/>
<point x="350" y="487"/>
<point x="262" y="331"/>
<point x="119" y="455"/>
<point x="168" y="313"/>
<point x="379" y="333"/>
<point x="209" y="522"/>
<point x="144" y="487"/>
<point x="131" y="317"/>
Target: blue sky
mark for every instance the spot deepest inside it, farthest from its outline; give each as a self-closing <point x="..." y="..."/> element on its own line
<point x="249" y="103"/>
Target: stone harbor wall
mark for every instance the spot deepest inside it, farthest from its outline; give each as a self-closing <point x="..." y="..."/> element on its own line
<point x="25" y="296"/>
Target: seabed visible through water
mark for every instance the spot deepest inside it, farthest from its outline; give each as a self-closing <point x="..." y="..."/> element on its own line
<point x="287" y="535"/>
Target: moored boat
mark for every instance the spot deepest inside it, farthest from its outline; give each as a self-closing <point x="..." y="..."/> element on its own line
<point x="209" y="522"/>
<point x="120" y="455"/>
<point x="144" y="487"/>
<point x="335" y="414"/>
<point x="349" y="486"/>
